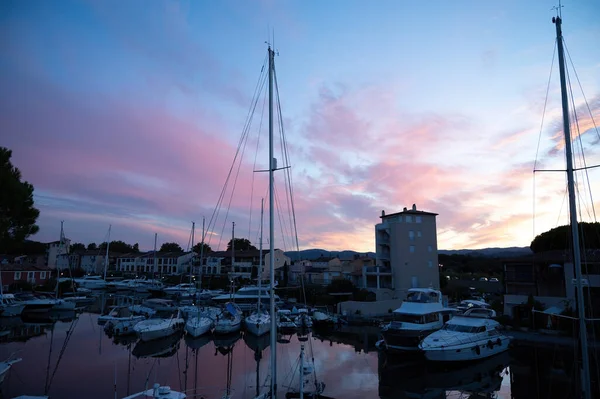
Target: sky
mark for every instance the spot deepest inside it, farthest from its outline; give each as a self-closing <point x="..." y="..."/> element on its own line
<point x="129" y="114"/>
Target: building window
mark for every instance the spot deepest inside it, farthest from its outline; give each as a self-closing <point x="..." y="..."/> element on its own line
<point x="412" y="248"/>
<point x="30" y="275"/>
<point x="429" y="249"/>
<point x="43" y="275"/>
<point x="430" y="264"/>
<point x="411" y="235"/>
<point x="419" y="233"/>
<point x="418" y="219"/>
<point x="408" y="219"/>
<point x="17" y="275"/>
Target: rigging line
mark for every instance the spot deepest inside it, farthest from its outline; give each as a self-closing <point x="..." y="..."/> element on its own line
<point x="242" y="146"/>
<point x="288" y="171"/>
<point x="286" y="163"/>
<point x="582" y="92"/>
<point x="281" y="224"/>
<point x="580" y="143"/>
<point x="222" y="194"/>
<point x="63" y="349"/>
<point x="545" y="104"/>
<point x="262" y="115"/>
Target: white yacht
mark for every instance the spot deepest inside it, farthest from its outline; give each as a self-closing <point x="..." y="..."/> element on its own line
<point x="247" y="297"/>
<point x="152" y="306"/>
<point x="91" y="282"/>
<point x="181" y="289"/>
<point x="466" y="337"/>
<point x="421" y="314"/>
<point x="38" y="305"/>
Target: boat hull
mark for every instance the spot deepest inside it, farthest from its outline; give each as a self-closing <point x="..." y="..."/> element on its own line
<point x="257" y="328"/>
<point x="404" y="340"/>
<point x="197" y="326"/>
<point x="154" y="329"/>
<point x="227" y="327"/>
<point x="468" y="352"/>
<point x="11" y="310"/>
<point x="122" y="326"/>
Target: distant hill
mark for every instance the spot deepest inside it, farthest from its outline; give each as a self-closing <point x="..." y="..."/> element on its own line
<point x="311" y="254"/>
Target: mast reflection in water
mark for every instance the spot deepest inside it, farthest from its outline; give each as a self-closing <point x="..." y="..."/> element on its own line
<point x="82" y="363"/>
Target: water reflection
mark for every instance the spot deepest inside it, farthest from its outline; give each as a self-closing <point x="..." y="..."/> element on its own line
<point x="68" y="355"/>
<point x="420" y="379"/>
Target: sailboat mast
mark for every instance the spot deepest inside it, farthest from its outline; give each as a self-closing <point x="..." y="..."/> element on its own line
<point x="573" y="213"/>
<point x="154" y="253"/>
<point x="272" y="166"/>
<point x="107" y="247"/>
<point x="202" y="252"/>
<point x="192" y="249"/>
<point x="260" y="257"/>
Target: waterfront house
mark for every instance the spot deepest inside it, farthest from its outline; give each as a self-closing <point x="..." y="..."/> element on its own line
<point x="16" y="272"/>
<point x="406" y="254"/>
<point x="549" y="277"/>
<point x="164" y="263"/>
<point x="91" y="261"/>
<point x="220" y="263"/>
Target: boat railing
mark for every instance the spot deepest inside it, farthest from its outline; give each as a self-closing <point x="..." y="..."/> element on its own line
<point x="454" y="341"/>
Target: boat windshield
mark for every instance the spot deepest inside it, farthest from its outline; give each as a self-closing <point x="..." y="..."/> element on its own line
<point x="465" y="329"/>
<point x="422" y="297"/>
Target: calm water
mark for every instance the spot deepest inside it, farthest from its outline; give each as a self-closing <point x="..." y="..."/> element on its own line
<point x="82" y="364"/>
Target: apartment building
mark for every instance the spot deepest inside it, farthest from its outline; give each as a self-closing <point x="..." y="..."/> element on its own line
<point x="163" y="263"/>
<point x="406" y="253"/>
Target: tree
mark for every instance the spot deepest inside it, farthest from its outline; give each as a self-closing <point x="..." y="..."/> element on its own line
<point x="170" y="247"/>
<point x="77" y="247"/>
<point x="558" y="238"/>
<point x="241" y="244"/>
<point x="92" y="246"/>
<point x="17" y="213"/>
<point x="286" y="270"/>
<point x="136" y="247"/>
<point x="117" y="246"/>
<point x="207" y="249"/>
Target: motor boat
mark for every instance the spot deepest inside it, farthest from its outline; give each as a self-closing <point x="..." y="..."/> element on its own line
<point x="184" y="289"/>
<point x="5" y="366"/>
<point x="248" y="297"/>
<point x="91" y="282"/>
<point x="421" y="314"/>
<point x="464" y="338"/>
<point x="9" y="307"/>
<point x="258" y="323"/>
<point x="120" y="321"/>
<point x="152" y="306"/>
<point x="303" y="319"/>
<point x="285" y="321"/>
<point x="229" y="320"/>
<point x="151" y="329"/>
<point x="37" y="305"/>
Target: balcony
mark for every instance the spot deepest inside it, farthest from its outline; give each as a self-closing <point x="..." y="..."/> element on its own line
<point x="374" y="270"/>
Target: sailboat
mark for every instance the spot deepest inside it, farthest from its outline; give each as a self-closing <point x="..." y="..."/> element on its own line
<point x="585" y="364"/>
<point x="259" y="322"/>
<point x="200" y="323"/>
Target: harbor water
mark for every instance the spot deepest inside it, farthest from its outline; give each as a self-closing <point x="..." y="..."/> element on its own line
<point x="68" y="355"/>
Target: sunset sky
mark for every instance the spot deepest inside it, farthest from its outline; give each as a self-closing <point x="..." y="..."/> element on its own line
<point x="129" y="113"/>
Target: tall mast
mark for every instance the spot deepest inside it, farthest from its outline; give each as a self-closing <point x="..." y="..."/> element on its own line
<point x="232" y="245"/>
<point x="573" y="213"/>
<point x="272" y="166"/>
<point x="201" y="252"/>
<point x="260" y="258"/>
<point x="154" y="253"/>
<point x="107" y="247"/>
<point x="192" y="249"/>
